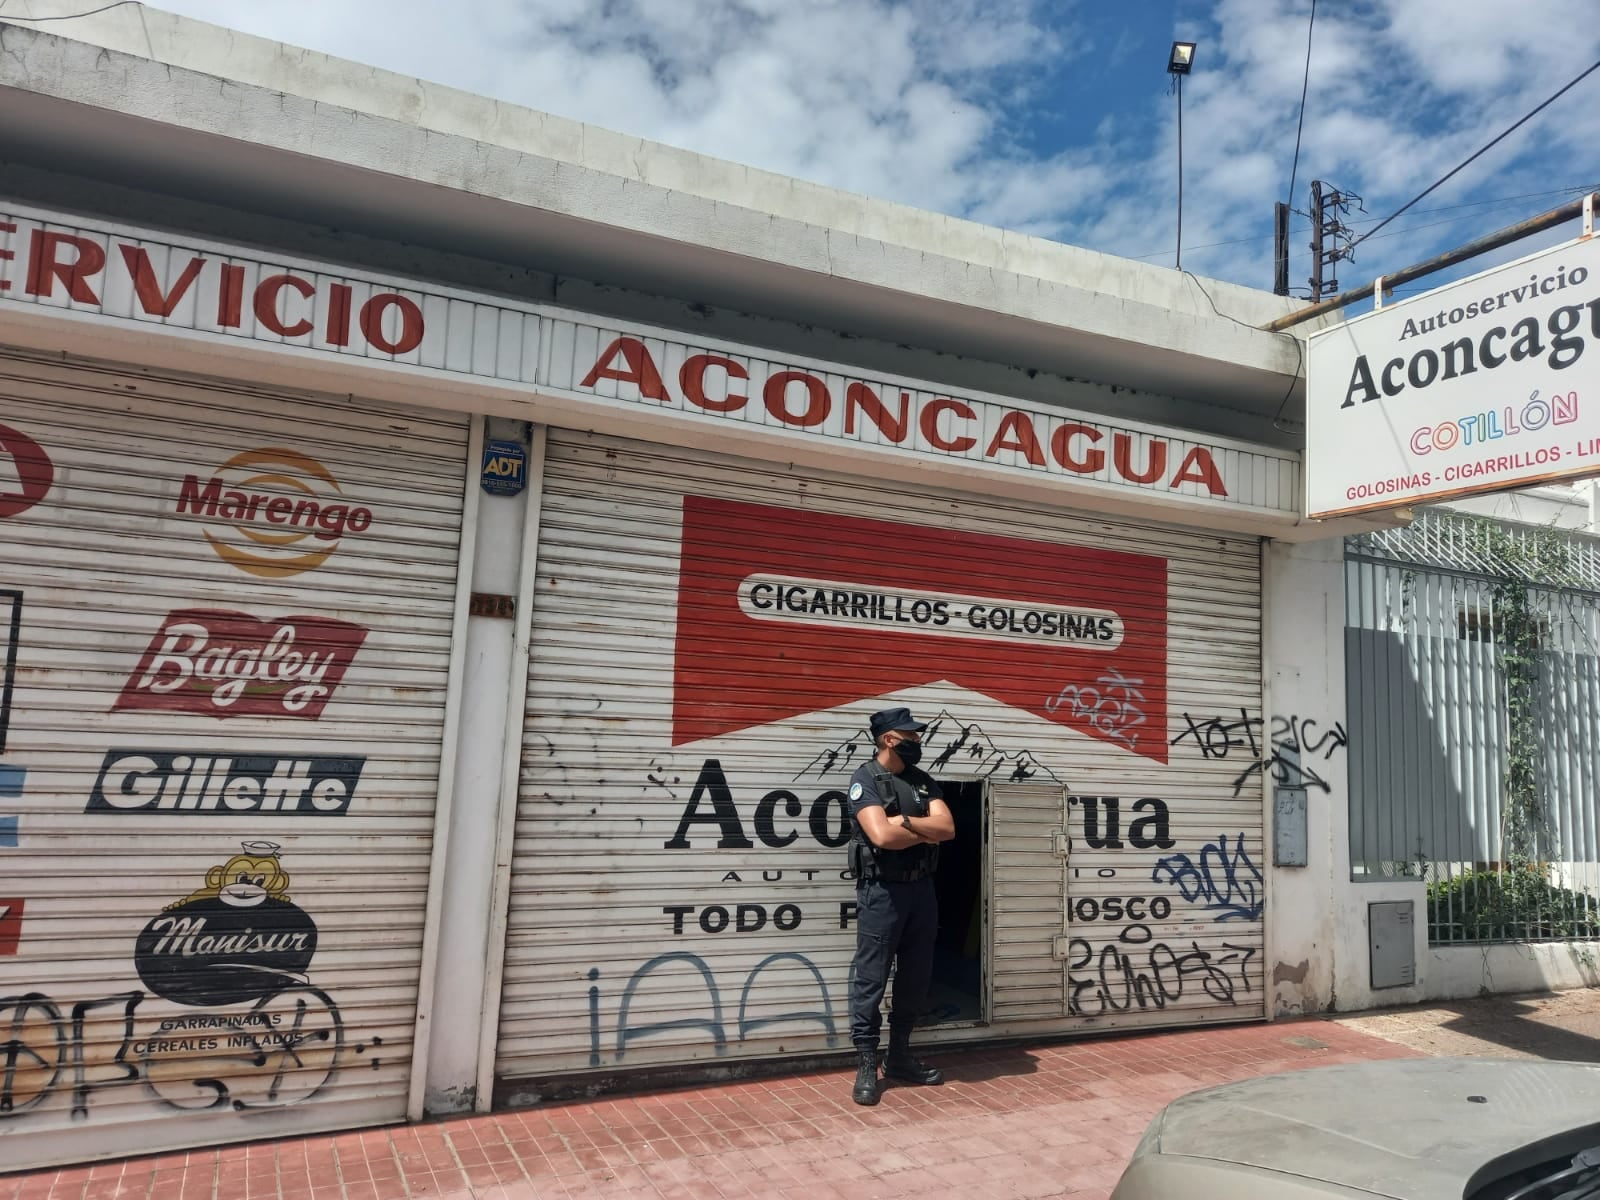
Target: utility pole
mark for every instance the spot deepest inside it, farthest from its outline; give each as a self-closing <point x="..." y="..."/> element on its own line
<point x="1317" y="259"/>
<point x="1178" y="257"/>
<point x="1330" y="236"/>
<point x="1280" y="248"/>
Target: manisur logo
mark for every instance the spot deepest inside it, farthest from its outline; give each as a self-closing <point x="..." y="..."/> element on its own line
<point x="272" y="512"/>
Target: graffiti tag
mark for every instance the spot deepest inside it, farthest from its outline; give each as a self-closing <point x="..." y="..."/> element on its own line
<point x="1112" y="709"/>
<point x="1285" y="756"/>
<point x="1224" y="879"/>
<point x="1136" y="972"/>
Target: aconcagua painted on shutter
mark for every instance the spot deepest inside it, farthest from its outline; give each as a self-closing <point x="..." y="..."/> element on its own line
<point x="710" y="635"/>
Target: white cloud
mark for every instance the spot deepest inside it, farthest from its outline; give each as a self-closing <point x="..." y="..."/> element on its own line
<point x="1386" y="115"/>
<point x="890" y="99"/>
<point x="921" y="101"/>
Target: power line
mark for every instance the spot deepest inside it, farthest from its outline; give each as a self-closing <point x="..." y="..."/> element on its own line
<point x="66" y="16"/>
<point x="1493" y="200"/>
<point x="1304" y="84"/>
<point x="1500" y="201"/>
<point x="1478" y="154"/>
<point x="1300" y="360"/>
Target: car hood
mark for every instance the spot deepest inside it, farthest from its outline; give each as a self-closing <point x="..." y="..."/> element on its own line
<point x="1414" y="1129"/>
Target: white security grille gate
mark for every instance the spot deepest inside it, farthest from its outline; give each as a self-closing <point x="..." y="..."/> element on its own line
<point x="1438" y="617"/>
<point x="228" y="616"/>
<point x="710" y="635"/>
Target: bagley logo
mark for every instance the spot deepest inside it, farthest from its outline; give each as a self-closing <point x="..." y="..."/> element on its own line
<point x="782" y="613"/>
<point x="262" y="505"/>
<point x="229" y="664"/>
<point x="26" y="472"/>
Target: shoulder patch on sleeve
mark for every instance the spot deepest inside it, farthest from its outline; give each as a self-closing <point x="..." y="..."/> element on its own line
<point x="855" y="791"/>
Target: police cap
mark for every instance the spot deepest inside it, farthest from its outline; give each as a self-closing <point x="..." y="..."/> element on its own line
<point x="894" y="718"/>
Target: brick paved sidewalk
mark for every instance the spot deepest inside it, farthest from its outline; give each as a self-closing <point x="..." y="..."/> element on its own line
<point x="1055" y="1120"/>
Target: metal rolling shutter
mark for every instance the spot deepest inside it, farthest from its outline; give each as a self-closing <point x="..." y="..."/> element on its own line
<point x="191" y="687"/>
<point x="1029" y="857"/>
<point x="648" y="876"/>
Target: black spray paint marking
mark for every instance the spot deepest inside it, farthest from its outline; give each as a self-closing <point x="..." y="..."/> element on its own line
<point x="1294" y="741"/>
<point x="1114" y="981"/>
<point x="273" y="1036"/>
<point x="11" y="633"/>
<point x="594" y="1018"/>
<point x="657" y="776"/>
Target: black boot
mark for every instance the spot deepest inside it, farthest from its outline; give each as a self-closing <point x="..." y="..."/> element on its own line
<point x="900" y="1065"/>
<point x="866" y="1089"/>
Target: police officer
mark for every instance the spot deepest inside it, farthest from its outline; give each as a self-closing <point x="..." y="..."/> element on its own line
<point x="899" y="819"/>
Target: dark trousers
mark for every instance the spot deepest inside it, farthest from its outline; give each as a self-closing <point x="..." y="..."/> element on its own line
<point x="895" y="923"/>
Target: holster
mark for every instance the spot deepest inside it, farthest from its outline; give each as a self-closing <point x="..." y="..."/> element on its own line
<point x="863" y="864"/>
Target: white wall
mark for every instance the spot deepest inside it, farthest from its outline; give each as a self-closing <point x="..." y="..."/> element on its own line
<point x="1317" y="936"/>
<point x="1317" y="949"/>
<point x="1302" y="647"/>
<point x="1459" y="972"/>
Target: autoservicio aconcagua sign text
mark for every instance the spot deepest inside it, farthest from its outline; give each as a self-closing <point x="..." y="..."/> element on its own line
<point x="1484" y="385"/>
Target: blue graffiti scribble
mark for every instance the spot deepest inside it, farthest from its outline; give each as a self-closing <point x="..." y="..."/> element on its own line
<point x="713" y="1025"/>
<point x="1224" y="880"/>
<point x="824" y="1016"/>
<point x="626" y="1033"/>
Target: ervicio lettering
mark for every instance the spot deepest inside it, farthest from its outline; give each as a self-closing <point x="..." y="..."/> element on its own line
<point x="57" y="264"/>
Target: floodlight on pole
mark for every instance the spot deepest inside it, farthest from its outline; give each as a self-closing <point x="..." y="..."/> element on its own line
<point x="1179" y="63"/>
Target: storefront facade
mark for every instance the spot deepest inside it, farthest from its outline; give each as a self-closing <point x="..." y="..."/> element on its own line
<point x="422" y="696"/>
<point x="235" y="674"/>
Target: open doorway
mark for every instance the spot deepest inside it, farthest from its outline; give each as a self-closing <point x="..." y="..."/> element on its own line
<point x="956" y="993"/>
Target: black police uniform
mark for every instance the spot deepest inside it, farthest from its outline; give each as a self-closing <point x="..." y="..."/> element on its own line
<point x="897" y="912"/>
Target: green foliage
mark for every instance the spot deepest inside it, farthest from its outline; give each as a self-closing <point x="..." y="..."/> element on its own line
<point x="1515" y="900"/>
<point x="1514" y="904"/>
<point x="1517" y="563"/>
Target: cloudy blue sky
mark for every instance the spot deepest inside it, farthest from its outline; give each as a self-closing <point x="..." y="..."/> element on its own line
<point x="1049" y="116"/>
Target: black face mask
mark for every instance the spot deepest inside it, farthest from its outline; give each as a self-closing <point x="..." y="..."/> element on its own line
<point x="910" y="753"/>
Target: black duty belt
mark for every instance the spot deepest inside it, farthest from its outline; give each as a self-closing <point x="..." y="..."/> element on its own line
<point x="908" y="877"/>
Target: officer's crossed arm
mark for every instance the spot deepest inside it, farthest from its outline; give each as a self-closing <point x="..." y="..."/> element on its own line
<point x="887" y="833"/>
<point x="938" y="826"/>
